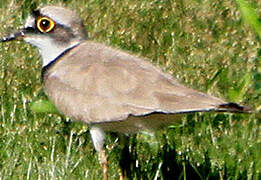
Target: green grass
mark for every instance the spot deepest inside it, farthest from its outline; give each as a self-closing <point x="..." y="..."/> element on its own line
<point x="205" y="44"/>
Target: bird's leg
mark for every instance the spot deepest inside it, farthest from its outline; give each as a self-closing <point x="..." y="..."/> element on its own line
<point x="125" y="159"/>
<point x="104" y="164"/>
<point x="98" y="137"/>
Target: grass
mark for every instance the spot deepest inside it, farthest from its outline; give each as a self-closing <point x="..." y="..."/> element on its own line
<point x="207" y="45"/>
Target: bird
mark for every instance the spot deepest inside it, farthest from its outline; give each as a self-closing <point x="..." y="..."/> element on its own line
<point x="109" y="89"/>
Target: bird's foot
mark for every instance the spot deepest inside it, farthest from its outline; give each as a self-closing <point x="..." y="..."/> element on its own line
<point x="104" y="164"/>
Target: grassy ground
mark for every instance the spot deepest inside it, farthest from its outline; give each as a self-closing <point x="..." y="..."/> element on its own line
<point x="205" y="44"/>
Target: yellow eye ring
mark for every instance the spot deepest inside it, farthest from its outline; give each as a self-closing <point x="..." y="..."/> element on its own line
<point x="45" y="24"/>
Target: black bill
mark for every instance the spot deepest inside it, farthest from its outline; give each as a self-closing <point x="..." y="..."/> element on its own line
<point x="11" y="37"/>
<point x="19" y="35"/>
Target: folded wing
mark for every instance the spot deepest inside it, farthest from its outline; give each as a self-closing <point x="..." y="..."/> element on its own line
<point x="107" y="85"/>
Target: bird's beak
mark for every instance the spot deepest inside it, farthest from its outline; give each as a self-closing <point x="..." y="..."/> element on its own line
<point x="18" y="35"/>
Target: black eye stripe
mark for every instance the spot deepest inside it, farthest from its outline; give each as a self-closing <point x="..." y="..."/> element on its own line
<point x="36" y="13"/>
<point x="34" y="30"/>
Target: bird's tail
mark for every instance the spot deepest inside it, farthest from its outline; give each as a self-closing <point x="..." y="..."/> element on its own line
<point x="233" y="107"/>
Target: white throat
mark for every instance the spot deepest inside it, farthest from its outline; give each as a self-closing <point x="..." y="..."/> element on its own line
<point x="48" y="49"/>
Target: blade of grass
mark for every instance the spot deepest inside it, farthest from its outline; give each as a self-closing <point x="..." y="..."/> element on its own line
<point x="250" y="16"/>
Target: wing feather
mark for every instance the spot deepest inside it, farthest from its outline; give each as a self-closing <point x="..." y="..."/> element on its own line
<point x="106" y="85"/>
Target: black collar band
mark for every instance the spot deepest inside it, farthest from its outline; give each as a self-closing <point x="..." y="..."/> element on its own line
<point x="46" y="67"/>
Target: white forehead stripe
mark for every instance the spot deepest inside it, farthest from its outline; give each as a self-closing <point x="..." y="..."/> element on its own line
<point x="30" y="22"/>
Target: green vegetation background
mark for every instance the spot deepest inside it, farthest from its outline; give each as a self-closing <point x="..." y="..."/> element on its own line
<point x="205" y="44"/>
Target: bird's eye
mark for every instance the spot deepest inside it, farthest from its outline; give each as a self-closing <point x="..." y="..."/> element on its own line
<point x="45" y="24"/>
